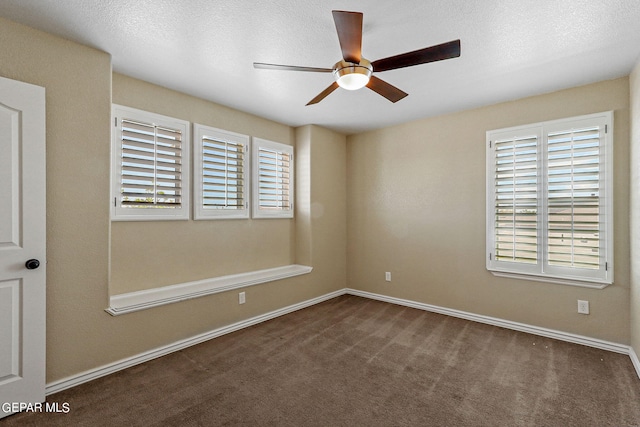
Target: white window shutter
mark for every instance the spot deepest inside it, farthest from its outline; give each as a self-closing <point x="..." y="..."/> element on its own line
<point x="150" y="166"/>
<point x="272" y="179"/>
<point x="220" y="173"/>
<point x="579" y="206"/>
<point x="516" y="199"/>
<point x="549" y="201"/>
<point x="573" y="175"/>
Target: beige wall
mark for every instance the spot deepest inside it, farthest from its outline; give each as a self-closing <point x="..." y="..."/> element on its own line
<point x="78" y="95"/>
<point x="80" y="334"/>
<point x="321" y="196"/>
<point x="416" y="204"/>
<point x="408" y="213"/>
<point x="635" y="208"/>
<point x="142" y="251"/>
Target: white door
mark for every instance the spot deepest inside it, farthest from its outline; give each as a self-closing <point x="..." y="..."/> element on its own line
<point x="22" y="245"/>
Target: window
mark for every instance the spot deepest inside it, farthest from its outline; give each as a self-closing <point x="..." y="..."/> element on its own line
<point x="220" y="161"/>
<point x="272" y="179"/>
<point x="549" y="201"/>
<point x="150" y="167"/>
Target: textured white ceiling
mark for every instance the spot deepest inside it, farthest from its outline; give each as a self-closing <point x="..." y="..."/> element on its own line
<point x="510" y="49"/>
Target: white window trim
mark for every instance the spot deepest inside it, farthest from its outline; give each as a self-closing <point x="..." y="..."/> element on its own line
<point x="541" y="272"/>
<point x="257" y="212"/>
<point x="119" y="213"/>
<point x="199" y="211"/>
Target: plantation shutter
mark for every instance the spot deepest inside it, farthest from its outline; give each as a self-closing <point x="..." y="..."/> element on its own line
<point x="220" y="173"/>
<point x="573" y="182"/>
<point x="150" y="166"/>
<point x="273" y="185"/>
<point x="223" y="174"/>
<point x="549" y="201"/>
<point x="274" y="179"/>
<point x="516" y="199"/>
<point x="151" y="172"/>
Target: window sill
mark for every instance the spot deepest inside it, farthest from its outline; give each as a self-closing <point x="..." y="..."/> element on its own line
<point x="546" y="279"/>
<point x="142" y="300"/>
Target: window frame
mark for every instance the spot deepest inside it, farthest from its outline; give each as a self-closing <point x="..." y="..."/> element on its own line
<point x="258" y="212"/>
<point x="199" y="211"/>
<point x="542" y="270"/>
<point x="120" y="213"/>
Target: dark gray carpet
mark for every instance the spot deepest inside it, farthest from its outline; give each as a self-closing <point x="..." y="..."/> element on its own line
<point x="352" y="361"/>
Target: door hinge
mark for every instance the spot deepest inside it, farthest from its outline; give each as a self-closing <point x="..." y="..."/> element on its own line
<point x="489" y="144"/>
<point x="606" y="266"/>
<point x="489" y="256"/>
<point x="115" y="202"/>
<point x="115" y="121"/>
<point x="606" y="128"/>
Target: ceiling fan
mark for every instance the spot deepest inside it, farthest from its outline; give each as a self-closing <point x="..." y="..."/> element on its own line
<point x="355" y="72"/>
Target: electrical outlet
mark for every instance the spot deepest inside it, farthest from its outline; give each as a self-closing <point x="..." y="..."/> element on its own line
<point x="387" y="276"/>
<point x="241" y="298"/>
<point x="583" y="306"/>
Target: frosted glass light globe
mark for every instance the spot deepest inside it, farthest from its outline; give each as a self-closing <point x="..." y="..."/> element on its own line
<point x="352" y="76"/>
<point x="353" y="81"/>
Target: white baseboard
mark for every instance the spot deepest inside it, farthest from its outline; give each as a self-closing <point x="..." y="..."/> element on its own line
<point x="92" y="374"/>
<point x="522" y="327"/>
<point x="634" y="359"/>
<point x="111" y="368"/>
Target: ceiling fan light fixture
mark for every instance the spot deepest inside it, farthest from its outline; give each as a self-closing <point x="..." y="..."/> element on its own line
<point x="354" y="72"/>
<point x="352" y="76"/>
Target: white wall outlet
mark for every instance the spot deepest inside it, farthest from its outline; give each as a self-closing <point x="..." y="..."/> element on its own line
<point x="387" y="276"/>
<point x="241" y="298"/>
<point x="583" y="306"/>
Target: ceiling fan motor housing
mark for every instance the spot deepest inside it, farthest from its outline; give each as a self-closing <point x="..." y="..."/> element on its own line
<point x="352" y="76"/>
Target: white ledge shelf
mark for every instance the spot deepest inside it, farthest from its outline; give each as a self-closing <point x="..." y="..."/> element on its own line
<point x="549" y="279"/>
<point x="149" y="298"/>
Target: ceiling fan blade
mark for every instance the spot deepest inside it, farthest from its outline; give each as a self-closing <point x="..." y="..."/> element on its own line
<point x="322" y="95"/>
<point x="385" y="89"/>
<point x="421" y="56"/>
<point x="290" y="68"/>
<point x="349" y="27"/>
